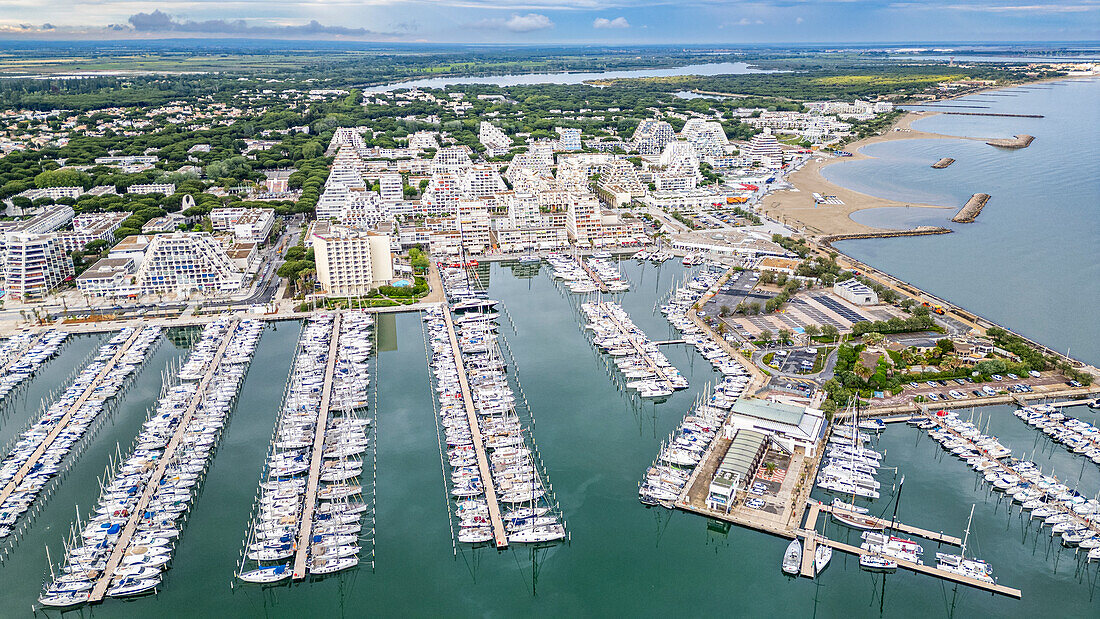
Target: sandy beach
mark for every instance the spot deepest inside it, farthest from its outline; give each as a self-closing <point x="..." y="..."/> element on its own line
<point x="799" y="209"/>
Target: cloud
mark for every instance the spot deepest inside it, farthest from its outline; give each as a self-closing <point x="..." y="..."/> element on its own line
<point x="745" y="21"/>
<point x="518" y="23"/>
<point x="158" y="21"/>
<point x="798" y="20"/>
<point x="603" y="22"/>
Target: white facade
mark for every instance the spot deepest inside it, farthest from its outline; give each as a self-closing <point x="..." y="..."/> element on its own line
<point x="651" y="136"/>
<point x="391" y="188"/>
<point x="855" y="292"/>
<point x="34" y="264"/>
<point x="569" y="138"/>
<point x="247" y="224"/>
<point x="494" y="140"/>
<point x="350" y="261"/>
<point x="164" y="188"/>
<point x="186" y="262"/>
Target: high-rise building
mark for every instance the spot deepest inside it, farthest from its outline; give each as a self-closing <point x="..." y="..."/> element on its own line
<point x="708" y="137"/>
<point x="764" y="149"/>
<point x="583" y="219"/>
<point x="569" y="138"/>
<point x="651" y="135"/>
<point x="350" y="261"/>
<point x="34" y="264"/>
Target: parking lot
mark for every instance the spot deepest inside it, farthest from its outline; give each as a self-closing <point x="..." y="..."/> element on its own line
<point x="796" y="361"/>
<point x="942" y="389"/>
<point x="763" y="490"/>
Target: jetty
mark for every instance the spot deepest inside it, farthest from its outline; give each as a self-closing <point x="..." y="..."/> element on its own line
<point x="1018" y="141"/>
<point x="642" y="353"/>
<point x="500" y="536"/>
<point x="18" y="357"/>
<point x="973" y="207"/>
<point x="993" y="114"/>
<point x="305" y="528"/>
<point x="63" y="423"/>
<point x="137" y="514"/>
<point x="943" y="163"/>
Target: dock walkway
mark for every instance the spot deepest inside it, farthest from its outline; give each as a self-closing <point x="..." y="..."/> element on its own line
<point x="166" y="458"/>
<point x="305" y="529"/>
<point x="653" y="367"/>
<point x="592" y="273"/>
<point x="920" y="568"/>
<point x="938" y="537"/>
<point x="499" y="535"/>
<point x="16" y="358"/>
<point x="60" y="426"/>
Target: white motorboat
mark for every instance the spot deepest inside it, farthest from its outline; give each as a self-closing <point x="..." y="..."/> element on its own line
<point x="792" y="558"/>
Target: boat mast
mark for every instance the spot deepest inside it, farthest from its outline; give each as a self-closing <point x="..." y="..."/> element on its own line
<point x="897" y="501"/>
<point x="967" y="535"/>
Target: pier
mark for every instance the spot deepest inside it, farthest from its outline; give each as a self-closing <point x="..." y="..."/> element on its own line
<point x="973" y="207"/>
<point x="123" y="542"/>
<point x="596" y="279"/>
<point x="993" y="114"/>
<point x="500" y="536"/>
<point x="920" y="568"/>
<point x="653" y="367"/>
<point x="305" y="530"/>
<point x="63" y="423"/>
<point x="939" y="538"/>
<point x="16" y="358"/>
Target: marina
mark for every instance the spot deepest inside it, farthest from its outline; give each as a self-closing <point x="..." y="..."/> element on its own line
<point x="648" y="371"/>
<point x="23" y="353"/>
<point x="121" y="551"/>
<point x="37" y="457"/>
<point x="587" y="275"/>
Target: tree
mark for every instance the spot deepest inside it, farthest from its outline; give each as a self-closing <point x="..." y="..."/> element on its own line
<point x="62" y="178"/>
<point x="874" y="338"/>
<point x="784" y="336"/>
<point x="946" y="345"/>
<point x="830" y="331"/>
<point x="812" y="330"/>
<point x="765" y="336"/>
<point x="724" y="310"/>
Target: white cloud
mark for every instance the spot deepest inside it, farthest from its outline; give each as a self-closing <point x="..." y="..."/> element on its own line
<point x="518" y="23"/>
<point x="603" y="22"/>
<point x="798" y="20"/>
<point x="745" y="21"/>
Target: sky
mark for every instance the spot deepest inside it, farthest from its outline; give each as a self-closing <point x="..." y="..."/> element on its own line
<point x="612" y="22"/>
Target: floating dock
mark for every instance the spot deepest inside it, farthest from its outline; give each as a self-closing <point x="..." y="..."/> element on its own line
<point x="16" y="358"/>
<point x="943" y="163"/>
<point x="500" y="536"/>
<point x="653" y="367"/>
<point x="973" y="207"/>
<point x="63" y="423"/>
<point x="938" y="537"/>
<point x="596" y="279"/>
<point x="151" y="486"/>
<point x="305" y="527"/>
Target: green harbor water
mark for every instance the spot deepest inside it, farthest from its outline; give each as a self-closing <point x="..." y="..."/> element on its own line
<point x="596" y="441"/>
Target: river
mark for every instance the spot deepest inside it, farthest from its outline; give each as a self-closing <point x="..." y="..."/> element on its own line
<point x="715" y="68"/>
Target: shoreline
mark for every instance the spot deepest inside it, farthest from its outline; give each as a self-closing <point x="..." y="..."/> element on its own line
<point x="797" y="206"/>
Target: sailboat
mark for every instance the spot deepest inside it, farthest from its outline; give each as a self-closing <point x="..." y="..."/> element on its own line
<point x="822" y="555"/>
<point x="959" y="564"/>
<point x="792" y="558"/>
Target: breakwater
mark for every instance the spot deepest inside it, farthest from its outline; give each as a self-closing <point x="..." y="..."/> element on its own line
<point x="943" y="163"/>
<point x="1017" y="141"/>
<point x="969" y="212"/>
<point x="885" y="234"/>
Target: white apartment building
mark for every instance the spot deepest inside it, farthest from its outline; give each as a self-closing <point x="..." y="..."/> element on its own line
<point x="651" y="136"/>
<point x="482" y="181"/>
<point x="569" y="138"/>
<point x="34" y="264"/>
<point x="90" y="227"/>
<point x="451" y="160"/>
<point x="391" y="188"/>
<point x="494" y="140"/>
<point x="350" y="261"/>
<point x="109" y="278"/>
<point x="583" y="219"/>
<point x="423" y="140"/>
<point x="124" y="160"/>
<point x="443" y="194"/>
<point x="164" y="188"/>
<point x="764" y="150"/>
<point x="187" y="262"/>
<point x="248" y="225"/>
<point x="708" y="137"/>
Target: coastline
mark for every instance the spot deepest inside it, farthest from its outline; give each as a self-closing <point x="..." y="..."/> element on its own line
<point x="798" y="207"/>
